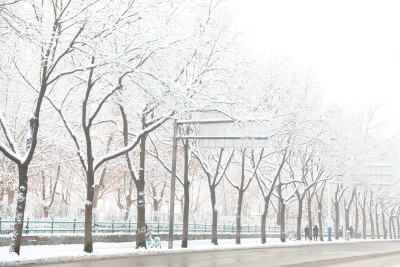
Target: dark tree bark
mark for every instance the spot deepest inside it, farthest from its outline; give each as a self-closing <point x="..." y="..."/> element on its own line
<point x="283" y="222"/>
<point x="267" y="194"/>
<point x="186" y="193"/>
<point x="20" y="210"/>
<point x="319" y="201"/>
<point x="357" y="216"/>
<point x="14" y="154"/>
<point x="213" y="180"/>
<point x="310" y="223"/>
<point x="336" y="202"/>
<point x="244" y="185"/>
<point x="239" y="206"/>
<point x="347" y="209"/>
<point x="140" y="191"/>
<point x="141" y="202"/>
<point x="300" y="199"/>
<point x="214" y="229"/>
<point x="363" y="211"/>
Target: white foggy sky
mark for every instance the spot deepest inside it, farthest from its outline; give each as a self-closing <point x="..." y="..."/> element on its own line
<point x="352" y="47"/>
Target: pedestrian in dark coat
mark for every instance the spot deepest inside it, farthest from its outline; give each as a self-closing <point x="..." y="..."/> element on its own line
<point x="315" y="232"/>
<point x="306" y="232"/>
<point x="351" y="232"/>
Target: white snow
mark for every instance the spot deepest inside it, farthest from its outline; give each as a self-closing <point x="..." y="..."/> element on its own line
<point x="66" y="253"/>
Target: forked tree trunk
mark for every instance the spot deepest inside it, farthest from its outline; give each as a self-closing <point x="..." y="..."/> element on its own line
<point x="241" y="190"/>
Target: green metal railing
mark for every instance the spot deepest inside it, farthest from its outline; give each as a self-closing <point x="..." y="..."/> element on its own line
<point x="75" y="226"/>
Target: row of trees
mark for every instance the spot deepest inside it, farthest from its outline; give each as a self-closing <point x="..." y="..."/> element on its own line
<point x="103" y="79"/>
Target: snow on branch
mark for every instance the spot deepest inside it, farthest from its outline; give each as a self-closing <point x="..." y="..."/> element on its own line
<point x="157" y="156"/>
<point x="218" y="178"/>
<point x="134" y="143"/>
<point x="10" y="138"/>
<point x="72" y="134"/>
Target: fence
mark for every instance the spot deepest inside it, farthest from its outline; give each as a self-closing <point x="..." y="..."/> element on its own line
<point x="74" y="226"/>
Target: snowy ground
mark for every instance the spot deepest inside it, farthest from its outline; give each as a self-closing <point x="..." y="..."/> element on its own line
<point x="66" y="253"/>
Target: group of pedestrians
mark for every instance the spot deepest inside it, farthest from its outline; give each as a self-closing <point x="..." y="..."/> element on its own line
<point x="315" y="232"/>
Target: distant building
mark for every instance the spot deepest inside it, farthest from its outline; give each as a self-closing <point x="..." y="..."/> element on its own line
<point x="376" y="173"/>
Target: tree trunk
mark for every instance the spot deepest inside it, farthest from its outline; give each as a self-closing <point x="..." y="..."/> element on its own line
<point x="364" y="223"/>
<point x="141" y="201"/>
<point x="282" y="221"/>
<point x="186" y="185"/>
<point x="98" y="187"/>
<point x="337" y="220"/>
<point x="321" y="237"/>
<point x="239" y="216"/>
<point x="264" y="223"/>
<point x="357" y="218"/>
<point x="390" y="227"/>
<point x="377" y="222"/>
<point x="371" y="219"/>
<point x="299" y="217"/>
<point x="241" y="190"/>
<point x="127" y="209"/>
<point x="310" y="222"/>
<point x="88" y="239"/>
<point x="385" y="231"/>
<point x="20" y="209"/>
<point x="46" y="211"/>
<point x="214" y="230"/>
<point x="347" y="218"/>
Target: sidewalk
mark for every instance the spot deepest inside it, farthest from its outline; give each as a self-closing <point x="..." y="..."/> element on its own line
<point x="63" y="253"/>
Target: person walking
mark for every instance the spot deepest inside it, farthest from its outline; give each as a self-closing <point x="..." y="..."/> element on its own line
<point x="306" y="232"/>
<point x="351" y="232"/>
<point x="315" y="232"/>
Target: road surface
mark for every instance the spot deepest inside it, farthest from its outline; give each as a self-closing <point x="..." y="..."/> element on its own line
<point x="381" y="253"/>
